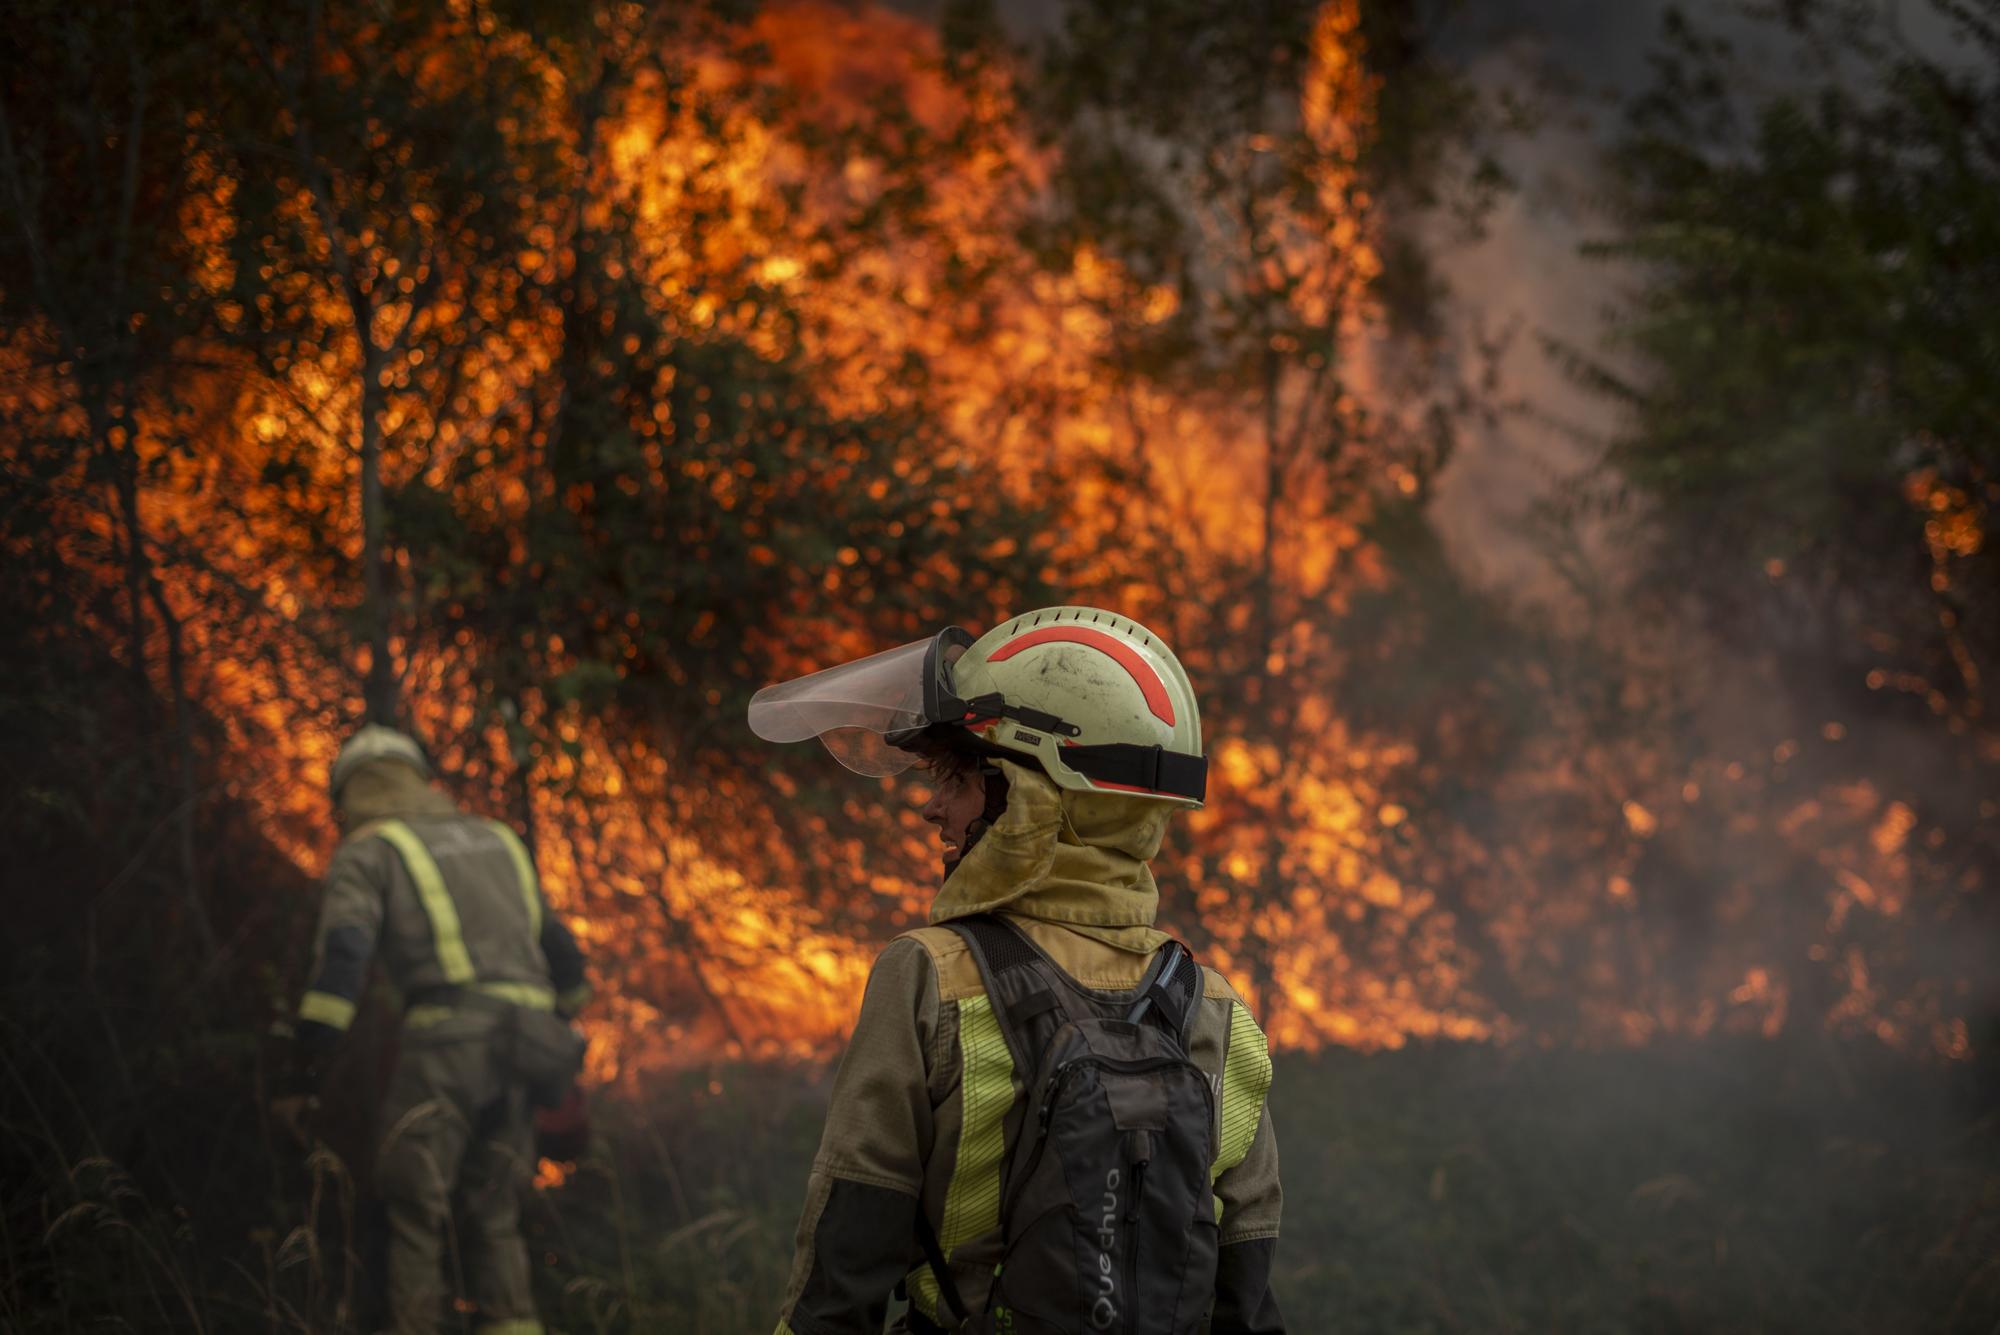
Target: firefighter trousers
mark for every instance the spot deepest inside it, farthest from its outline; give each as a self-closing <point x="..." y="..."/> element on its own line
<point x="457" y="1151"/>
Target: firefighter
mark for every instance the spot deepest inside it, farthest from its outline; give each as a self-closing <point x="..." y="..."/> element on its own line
<point x="1061" y="743"/>
<point x="451" y="905"/>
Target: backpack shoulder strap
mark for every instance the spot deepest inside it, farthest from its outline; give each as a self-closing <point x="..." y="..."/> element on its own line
<point x="1171" y="991"/>
<point x="1017" y="983"/>
<point x="1191" y="995"/>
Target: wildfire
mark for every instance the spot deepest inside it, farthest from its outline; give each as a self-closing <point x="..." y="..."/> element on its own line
<point x="723" y="921"/>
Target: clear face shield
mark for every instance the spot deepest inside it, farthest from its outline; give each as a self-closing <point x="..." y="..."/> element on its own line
<point x="867" y="711"/>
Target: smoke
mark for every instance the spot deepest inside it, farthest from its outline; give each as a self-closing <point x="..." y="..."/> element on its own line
<point x="1522" y="281"/>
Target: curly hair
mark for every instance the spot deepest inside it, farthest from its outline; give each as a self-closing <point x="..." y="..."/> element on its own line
<point x="943" y="753"/>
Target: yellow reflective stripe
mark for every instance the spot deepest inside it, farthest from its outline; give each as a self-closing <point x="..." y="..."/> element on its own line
<point x="326" y="1008"/>
<point x="424" y="1016"/>
<point x="784" y="1328"/>
<point x="1246" y="1079"/>
<point x="457" y="965"/>
<point x="571" y="1000"/>
<point x="518" y="1326"/>
<point x="524" y="873"/>
<point x="972" y="1199"/>
<point x="532" y="995"/>
<point x="922" y="1286"/>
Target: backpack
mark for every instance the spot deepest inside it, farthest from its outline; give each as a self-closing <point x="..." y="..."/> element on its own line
<point x="1106" y="1178"/>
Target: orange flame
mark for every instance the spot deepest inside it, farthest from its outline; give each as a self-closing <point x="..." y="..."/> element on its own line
<point x="1312" y="877"/>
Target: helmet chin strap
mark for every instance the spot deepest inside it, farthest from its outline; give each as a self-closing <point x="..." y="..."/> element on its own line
<point x="996" y="805"/>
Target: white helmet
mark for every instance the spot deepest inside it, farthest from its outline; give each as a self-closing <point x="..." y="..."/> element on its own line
<point x="375" y="742"/>
<point x="1093" y="697"/>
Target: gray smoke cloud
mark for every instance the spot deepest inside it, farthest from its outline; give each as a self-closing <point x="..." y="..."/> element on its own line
<point x="1523" y="280"/>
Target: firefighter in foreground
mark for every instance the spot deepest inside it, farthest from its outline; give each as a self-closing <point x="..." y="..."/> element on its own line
<point x="1049" y="1119"/>
<point x="488" y="976"/>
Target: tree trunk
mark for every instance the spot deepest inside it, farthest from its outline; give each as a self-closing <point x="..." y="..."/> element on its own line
<point x="1267" y="560"/>
<point x="520" y="748"/>
<point x="190" y="793"/>
<point x="125" y="487"/>
<point x="379" y="690"/>
<point x="142" y="585"/>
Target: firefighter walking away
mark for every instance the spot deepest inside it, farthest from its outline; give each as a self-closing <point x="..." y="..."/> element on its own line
<point x="450" y="905"/>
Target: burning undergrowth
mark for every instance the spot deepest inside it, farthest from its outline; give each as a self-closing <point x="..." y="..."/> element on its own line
<point x="791" y="338"/>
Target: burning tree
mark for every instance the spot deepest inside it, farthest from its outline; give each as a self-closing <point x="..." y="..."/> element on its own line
<point x="547" y="378"/>
<point x="591" y="368"/>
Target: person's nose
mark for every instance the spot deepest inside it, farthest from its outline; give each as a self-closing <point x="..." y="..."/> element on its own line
<point x="934" y="809"/>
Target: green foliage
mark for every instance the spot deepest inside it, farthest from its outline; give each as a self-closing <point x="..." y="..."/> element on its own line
<point x="1809" y="358"/>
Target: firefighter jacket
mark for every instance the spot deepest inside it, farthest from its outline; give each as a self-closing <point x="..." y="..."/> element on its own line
<point x="915" y="1120"/>
<point x="445" y="900"/>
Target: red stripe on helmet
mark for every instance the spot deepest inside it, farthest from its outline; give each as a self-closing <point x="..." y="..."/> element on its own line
<point x="1138" y="668"/>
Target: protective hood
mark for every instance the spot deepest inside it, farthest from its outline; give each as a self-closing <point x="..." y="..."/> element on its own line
<point x="1061" y="856"/>
<point x="386" y="789"/>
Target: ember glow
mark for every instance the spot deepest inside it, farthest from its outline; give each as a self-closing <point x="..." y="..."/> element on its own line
<point x="774" y="205"/>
